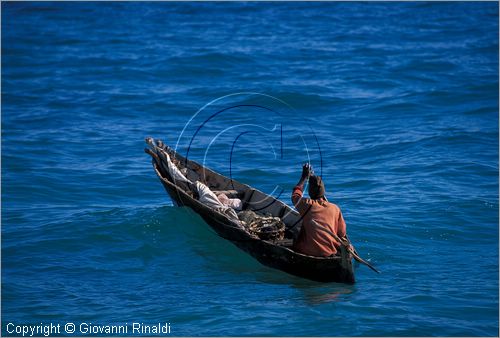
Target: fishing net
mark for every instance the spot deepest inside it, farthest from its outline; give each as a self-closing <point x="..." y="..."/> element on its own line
<point x="265" y="227"/>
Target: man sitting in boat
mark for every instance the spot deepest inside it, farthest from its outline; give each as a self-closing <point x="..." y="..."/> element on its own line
<point x="320" y="218"/>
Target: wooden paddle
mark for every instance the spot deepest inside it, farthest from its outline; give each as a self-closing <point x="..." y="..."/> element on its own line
<point x="348" y="246"/>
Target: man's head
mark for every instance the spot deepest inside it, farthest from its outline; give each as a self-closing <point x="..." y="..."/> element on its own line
<point x="316" y="187"/>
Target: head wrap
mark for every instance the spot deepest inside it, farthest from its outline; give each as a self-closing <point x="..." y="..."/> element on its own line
<point x="316" y="187"/>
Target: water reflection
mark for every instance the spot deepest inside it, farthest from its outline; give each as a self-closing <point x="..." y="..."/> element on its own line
<point x="312" y="293"/>
<point x="320" y="294"/>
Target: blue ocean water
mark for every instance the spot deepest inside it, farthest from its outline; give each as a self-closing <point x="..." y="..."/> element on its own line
<point x="394" y="104"/>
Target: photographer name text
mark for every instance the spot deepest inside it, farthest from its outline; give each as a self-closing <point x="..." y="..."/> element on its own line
<point x="51" y="329"/>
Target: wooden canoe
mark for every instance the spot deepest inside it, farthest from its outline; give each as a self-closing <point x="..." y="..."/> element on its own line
<point x="275" y="254"/>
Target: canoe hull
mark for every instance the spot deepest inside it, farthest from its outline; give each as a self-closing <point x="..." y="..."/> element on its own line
<point x="335" y="269"/>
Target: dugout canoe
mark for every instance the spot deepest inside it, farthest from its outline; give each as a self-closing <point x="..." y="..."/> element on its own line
<point x="274" y="254"/>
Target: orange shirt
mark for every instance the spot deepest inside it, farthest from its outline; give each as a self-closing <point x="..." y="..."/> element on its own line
<point x="313" y="240"/>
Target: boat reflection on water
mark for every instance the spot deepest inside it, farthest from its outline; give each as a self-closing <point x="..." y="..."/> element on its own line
<point x="310" y="292"/>
<point x="321" y="294"/>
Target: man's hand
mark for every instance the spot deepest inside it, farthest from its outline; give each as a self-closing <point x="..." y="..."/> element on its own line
<point x="306" y="170"/>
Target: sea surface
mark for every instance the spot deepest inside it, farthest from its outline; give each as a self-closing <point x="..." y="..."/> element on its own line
<point x="394" y="104"/>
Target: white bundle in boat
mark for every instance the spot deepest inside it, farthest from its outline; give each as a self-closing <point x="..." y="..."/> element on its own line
<point x="234" y="203"/>
<point x="207" y="197"/>
<point x="174" y="172"/>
